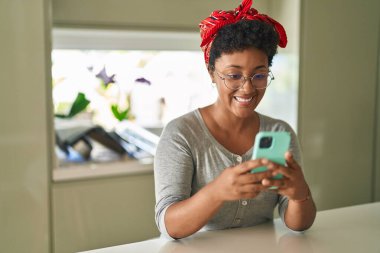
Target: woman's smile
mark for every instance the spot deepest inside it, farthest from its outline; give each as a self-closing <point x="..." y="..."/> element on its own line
<point x="244" y="100"/>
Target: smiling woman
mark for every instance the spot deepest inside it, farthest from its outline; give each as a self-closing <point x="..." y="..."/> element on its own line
<point x="204" y="158"/>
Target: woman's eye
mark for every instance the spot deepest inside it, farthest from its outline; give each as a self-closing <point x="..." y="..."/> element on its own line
<point x="234" y="77"/>
<point x="260" y="76"/>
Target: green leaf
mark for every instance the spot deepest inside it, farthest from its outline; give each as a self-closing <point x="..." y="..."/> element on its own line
<point x="79" y="105"/>
<point x="120" y="115"/>
<point x="61" y="116"/>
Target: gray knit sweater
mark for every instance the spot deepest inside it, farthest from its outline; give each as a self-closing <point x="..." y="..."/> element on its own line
<point x="188" y="157"/>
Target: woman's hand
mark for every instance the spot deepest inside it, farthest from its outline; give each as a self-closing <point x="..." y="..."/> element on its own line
<point x="293" y="184"/>
<point x="188" y="216"/>
<point x="301" y="211"/>
<point x="238" y="183"/>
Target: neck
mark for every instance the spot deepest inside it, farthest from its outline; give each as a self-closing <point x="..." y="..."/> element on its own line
<point x="231" y="123"/>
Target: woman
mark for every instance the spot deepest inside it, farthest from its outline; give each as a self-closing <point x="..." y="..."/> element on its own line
<point x="204" y="158"/>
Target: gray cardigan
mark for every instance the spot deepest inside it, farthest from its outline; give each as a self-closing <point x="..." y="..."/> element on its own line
<point x="188" y="157"/>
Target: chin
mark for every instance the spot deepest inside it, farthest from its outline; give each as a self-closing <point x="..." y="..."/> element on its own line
<point x="245" y="113"/>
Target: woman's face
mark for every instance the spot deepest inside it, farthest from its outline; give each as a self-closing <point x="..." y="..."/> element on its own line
<point x="241" y="102"/>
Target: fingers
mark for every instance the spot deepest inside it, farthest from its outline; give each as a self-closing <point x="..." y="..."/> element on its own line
<point x="250" y="191"/>
<point x="291" y="162"/>
<point x="249" y="165"/>
<point x="252" y="188"/>
<point x="289" y="171"/>
<point x="277" y="183"/>
<point x="278" y="169"/>
<point x="292" y="183"/>
<point x="252" y="178"/>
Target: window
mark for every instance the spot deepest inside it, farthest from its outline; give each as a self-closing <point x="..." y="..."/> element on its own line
<point x="157" y="85"/>
<point x="158" y="75"/>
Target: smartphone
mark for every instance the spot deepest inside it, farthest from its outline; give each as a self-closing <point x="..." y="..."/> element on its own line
<point x="272" y="146"/>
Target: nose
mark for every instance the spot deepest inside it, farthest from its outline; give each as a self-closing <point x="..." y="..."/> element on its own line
<point x="248" y="84"/>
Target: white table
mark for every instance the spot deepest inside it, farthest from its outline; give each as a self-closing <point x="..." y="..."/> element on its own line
<point x="350" y="229"/>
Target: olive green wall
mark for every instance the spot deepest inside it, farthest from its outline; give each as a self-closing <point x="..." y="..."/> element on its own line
<point x="25" y="129"/>
<point x="103" y="212"/>
<point x="377" y="140"/>
<point x="338" y="93"/>
<point x="287" y="12"/>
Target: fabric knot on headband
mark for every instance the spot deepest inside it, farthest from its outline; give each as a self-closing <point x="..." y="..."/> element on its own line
<point x="211" y="25"/>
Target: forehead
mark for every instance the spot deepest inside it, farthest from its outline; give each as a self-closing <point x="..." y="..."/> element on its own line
<point x="248" y="58"/>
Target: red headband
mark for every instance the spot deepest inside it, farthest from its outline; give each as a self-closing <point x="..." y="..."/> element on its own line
<point x="211" y="25"/>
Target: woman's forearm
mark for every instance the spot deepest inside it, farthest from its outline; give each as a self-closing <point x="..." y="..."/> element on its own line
<point x="300" y="215"/>
<point x="188" y="216"/>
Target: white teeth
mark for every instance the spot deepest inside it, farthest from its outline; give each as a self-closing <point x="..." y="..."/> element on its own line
<point x="243" y="99"/>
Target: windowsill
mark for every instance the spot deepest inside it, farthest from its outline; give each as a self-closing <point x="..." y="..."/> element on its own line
<point x="125" y="167"/>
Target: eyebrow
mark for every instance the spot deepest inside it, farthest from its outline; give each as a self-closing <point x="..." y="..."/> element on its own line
<point x="240" y="67"/>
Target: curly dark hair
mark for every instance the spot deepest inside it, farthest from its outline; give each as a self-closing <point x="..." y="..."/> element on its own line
<point x="243" y="35"/>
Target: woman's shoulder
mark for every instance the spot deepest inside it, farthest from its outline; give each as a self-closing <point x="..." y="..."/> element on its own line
<point x="187" y="119"/>
<point x="273" y="124"/>
<point x="184" y="124"/>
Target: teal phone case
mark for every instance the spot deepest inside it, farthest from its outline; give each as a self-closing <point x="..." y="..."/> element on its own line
<point x="274" y="151"/>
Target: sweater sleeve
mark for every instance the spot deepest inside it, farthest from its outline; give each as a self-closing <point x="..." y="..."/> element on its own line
<point x="173" y="171"/>
<point x="296" y="151"/>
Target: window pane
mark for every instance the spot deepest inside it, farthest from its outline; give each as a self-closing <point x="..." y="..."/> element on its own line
<point x="157" y="85"/>
<point x="176" y="83"/>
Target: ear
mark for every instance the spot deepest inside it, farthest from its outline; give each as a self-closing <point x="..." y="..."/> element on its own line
<point x="211" y="73"/>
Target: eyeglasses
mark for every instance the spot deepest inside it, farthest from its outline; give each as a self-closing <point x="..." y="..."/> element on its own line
<point x="237" y="81"/>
